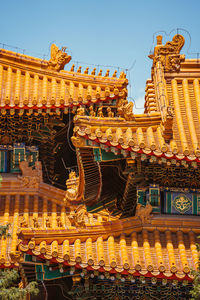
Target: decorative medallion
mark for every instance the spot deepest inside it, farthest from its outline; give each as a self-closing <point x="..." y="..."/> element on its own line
<point x="182" y="203"/>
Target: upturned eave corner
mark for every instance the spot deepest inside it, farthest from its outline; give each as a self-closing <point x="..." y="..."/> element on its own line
<point x="169" y="54"/>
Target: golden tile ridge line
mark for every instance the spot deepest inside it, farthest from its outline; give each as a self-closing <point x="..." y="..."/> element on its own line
<point x="139" y="147"/>
<point x="117" y="253"/>
<point x="20" y="215"/>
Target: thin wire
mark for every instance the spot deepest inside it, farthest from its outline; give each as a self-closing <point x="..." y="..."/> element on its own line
<point x="61" y="287"/>
<point x="177" y="30"/>
<point x="119" y="169"/>
<point x="68" y="129"/>
<point x="52" y="181"/>
<point x="46" y="292"/>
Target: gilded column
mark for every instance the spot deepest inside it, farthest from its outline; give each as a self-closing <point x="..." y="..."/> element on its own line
<point x="163" y="146"/>
<point x="140" y="137"/>
<point x="26" y="90"/>
<point x="189" y="115"/>
<point x="35" y="89"/>
<point x="158" y="249"/>
<point x="111" y="250"/>
<point x="54" y="248"/>
<point x="100" y="252"/>
<point x="88" y="245"/>
<point x="5" y="221"/>
<point x="80" y="92"/>
<point x="54" y="215"/>
<point x="90" y="217"/>
<point x="178" y="114"/>
<point x="17" y="87"/>
<point x="45" y="214"/>
<point x="53" y="91"/>
<point x="62" y="92"/>
<point x="134" y="246"/>
<point x="15" y="224"/>
<point x="150" y="137"/>
<point x="8" y="85"/>
<point x="170" y="250"/>
<point x="181" y="248"/>
<point x="147" y="251"/>
<point x="44" y="90"/>
<point x="99" y="219"/>
<point x="129" y="137"/>
<point x="197" y="96"/>
<point x="123" y="250"/>
<point x="35" y="210"/>
<point x="77" y="250"/>
<point x="193" y="248"/>
<point x="71" y="91"/>
<point x="1" y="81"/>
<point x="26" y="204"/>
<point x="63" y="216"/>
<point x="66" y="250"/>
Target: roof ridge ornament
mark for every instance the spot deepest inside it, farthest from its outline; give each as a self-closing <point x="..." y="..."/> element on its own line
<point x="169" y="54"/>
<point x="59" y="58"/>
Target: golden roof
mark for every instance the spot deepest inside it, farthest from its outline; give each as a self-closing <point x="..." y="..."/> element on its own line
<point x="27" y="202"/>
<point x="41" y="225"/>
<point x="170" y="125"/>
<point x="161" y="246"/>
<point x="135" y="246"/>
<point x="31" y="83"/>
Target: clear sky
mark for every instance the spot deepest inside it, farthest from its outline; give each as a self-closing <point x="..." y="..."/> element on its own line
<point x="106" y="32"/>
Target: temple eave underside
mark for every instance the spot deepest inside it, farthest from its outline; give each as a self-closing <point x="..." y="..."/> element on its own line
<point x="89" y="189"/>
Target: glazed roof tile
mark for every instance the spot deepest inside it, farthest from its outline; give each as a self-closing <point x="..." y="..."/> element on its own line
<point x="31" y="83"/>
<point x="141" y="248"/>
<point x="170" y="125"/>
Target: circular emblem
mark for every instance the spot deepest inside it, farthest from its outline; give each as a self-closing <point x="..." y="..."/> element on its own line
<point x="182" y="203"/>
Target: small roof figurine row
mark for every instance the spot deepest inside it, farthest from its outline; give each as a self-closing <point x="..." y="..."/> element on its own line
<point x="81" y="112"/>
<point x="100" y="114"/>
<point x="122" y="74"/>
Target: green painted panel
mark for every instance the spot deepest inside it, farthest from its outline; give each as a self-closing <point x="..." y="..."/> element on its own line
<point x="198" y="204"/>
<point x="97" y="155"/>
<point x="168" y="203"/>
<point x="195" y="204"/>
<point x="102" y="155"/>
<point x="141" y="196"/>
<point x="39" y="272"/>
<point x="54" y="274"/>
<point x="28" y="258"/>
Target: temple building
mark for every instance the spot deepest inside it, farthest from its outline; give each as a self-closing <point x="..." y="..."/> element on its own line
<point x="100" y="202"/>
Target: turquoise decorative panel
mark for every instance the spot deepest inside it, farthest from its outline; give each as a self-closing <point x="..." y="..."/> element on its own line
<point x="18" y="155"/>
<point x="141" y="196"/>
<point x="181" y="203"/>
<point x="198" y="204"/>
<point x="11" y="156"/>
<point x="102" y="155"/>
<point x="154" y="197"/>
<point x="43" y="273"/>
<point x="3" y="161"/>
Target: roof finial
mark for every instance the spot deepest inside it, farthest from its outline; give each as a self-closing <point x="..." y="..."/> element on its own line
<point x="59" y="58"/>
<point x="159" y="39"/>
<point x="115" y="73"/>
<point x="107" y="73"/>
<point x="79" y="69"/>
<point x="72" y="68"/>
<point x="86" y="70"/>
<point x="94" y="71"/>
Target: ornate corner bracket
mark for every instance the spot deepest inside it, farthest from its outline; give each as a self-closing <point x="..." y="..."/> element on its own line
<point x="144" y="213"/>
<point x="169" y="54"/>
<point x="31" y="178"/>
<point x="59" y="58"/>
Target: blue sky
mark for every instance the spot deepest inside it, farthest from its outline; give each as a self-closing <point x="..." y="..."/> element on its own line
<point x="106" y="32"/>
